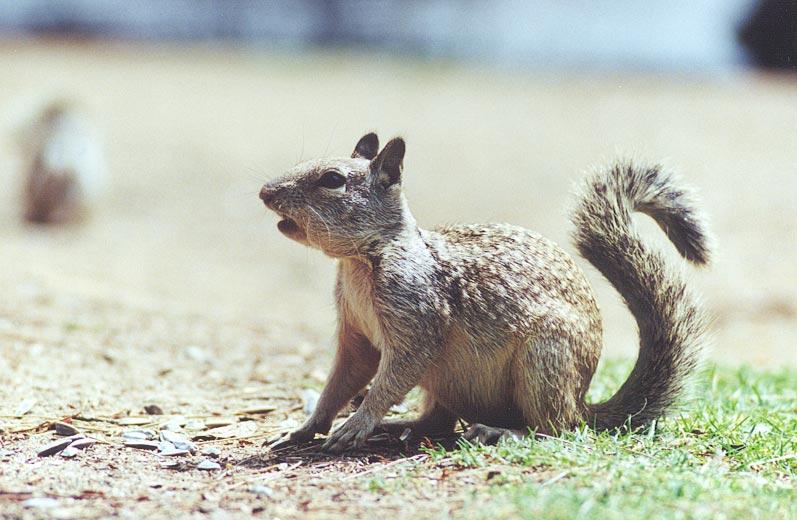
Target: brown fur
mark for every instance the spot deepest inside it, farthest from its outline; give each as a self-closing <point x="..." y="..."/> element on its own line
<point x="64" y="170"/>
<point x="495" y="323"/>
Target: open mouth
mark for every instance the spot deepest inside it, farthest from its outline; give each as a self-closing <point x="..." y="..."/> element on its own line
<point x="291" y="229"/>
<point x="288" y="226"/>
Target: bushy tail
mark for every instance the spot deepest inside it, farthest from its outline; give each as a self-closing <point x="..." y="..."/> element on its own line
<point x="671" y="323"/>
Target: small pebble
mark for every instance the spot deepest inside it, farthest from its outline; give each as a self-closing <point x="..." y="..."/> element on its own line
<point x="761" y="429"/>
<point x="196" y="353"/>
<point x="179" y="440"/>
<point x="65" y="429"/>
<point x="175" y="424"/>
<point x="165" y="446"/>
<point x="289" y="424"/>
<point x="134" y="421"/>
<point x="69" y="452"/>
<point x="80" y="444"/>
<point x="5" y="453"/>
<point x="174" y="453"/>
<point x="142" y="445"/>
<point x="239" y="430"/>
<point x="211" y="451"/>
<point x="195" y="426"/>
<point x="40" y="503"/>
<point x="56" y="446"/>
<point x="208" y="465"/>
<point x="256" y="410"/>
<point x="310" y="399"/>
<point x="146" y="435"/>
<point x="399" y="408"/>
<point x="153" y="409"/>
<point x="262" y="490"/>
<point x="187" y="445"/>
<point x="173" y="437"/>
<point x="24" y="407"/>
<point x="219" y="422"/>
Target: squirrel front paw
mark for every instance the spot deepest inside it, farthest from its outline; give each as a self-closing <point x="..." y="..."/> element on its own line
<point x="304" y="434"/>
<point x="351" y="435"/>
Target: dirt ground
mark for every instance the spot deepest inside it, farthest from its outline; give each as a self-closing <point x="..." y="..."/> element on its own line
<point x="180" y="291"/>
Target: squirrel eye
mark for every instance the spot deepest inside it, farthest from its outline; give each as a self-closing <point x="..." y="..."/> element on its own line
<point x="332" y="180"/>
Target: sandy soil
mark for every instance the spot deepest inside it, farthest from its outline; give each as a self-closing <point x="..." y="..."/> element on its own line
<point x="180" y="291"/>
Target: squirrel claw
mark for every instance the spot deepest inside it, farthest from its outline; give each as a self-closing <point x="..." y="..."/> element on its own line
<point x="300" y="436"/>
<point x="338" y="444"/>
<point x="279" y="445"/>
<point x="351" y="435"/>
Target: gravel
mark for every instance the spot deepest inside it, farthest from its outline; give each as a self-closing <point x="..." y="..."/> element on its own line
<point x="57" y="446"/>
<point x="208" y="465"/>
<point x="142" y="445"/>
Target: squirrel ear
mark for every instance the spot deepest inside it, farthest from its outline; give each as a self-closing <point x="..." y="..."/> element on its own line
<point x="389" y="164"/>
<point x="366" y="147"/>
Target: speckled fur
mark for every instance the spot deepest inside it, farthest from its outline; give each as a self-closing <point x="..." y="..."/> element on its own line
<point x="495" y="323"/>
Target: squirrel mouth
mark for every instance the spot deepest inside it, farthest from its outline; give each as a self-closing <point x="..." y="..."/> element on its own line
<point x="288" y="225"/>
<point x="290" y="229"/>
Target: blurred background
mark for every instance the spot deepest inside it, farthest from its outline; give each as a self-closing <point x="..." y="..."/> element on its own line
<point x="679" y="35"/>
<point x="504" y="104"/>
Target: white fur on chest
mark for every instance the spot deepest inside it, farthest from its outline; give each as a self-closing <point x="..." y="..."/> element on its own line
<point x="356" y="291"/>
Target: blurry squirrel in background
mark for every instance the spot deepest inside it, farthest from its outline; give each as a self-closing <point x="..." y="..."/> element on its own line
<point x="64" y="164"/>
<point x="495" y="323"/>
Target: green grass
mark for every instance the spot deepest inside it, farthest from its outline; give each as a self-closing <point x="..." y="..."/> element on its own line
<point x="730" y="453"/>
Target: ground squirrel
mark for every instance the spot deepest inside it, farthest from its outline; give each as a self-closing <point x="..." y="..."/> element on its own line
<point x="495" y="323"/>
<point x="64" y="164"/>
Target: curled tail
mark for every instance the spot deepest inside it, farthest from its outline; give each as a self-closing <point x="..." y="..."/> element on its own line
<point x="671" y="323"/>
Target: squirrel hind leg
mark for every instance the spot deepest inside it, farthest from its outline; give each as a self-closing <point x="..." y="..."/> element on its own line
<point x="551" y="376"/>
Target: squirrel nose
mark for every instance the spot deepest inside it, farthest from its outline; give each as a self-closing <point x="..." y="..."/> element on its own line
<point x="267" y="195"/>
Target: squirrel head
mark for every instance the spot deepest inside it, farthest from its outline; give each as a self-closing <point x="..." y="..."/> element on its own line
<point x="344" y="206"/>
